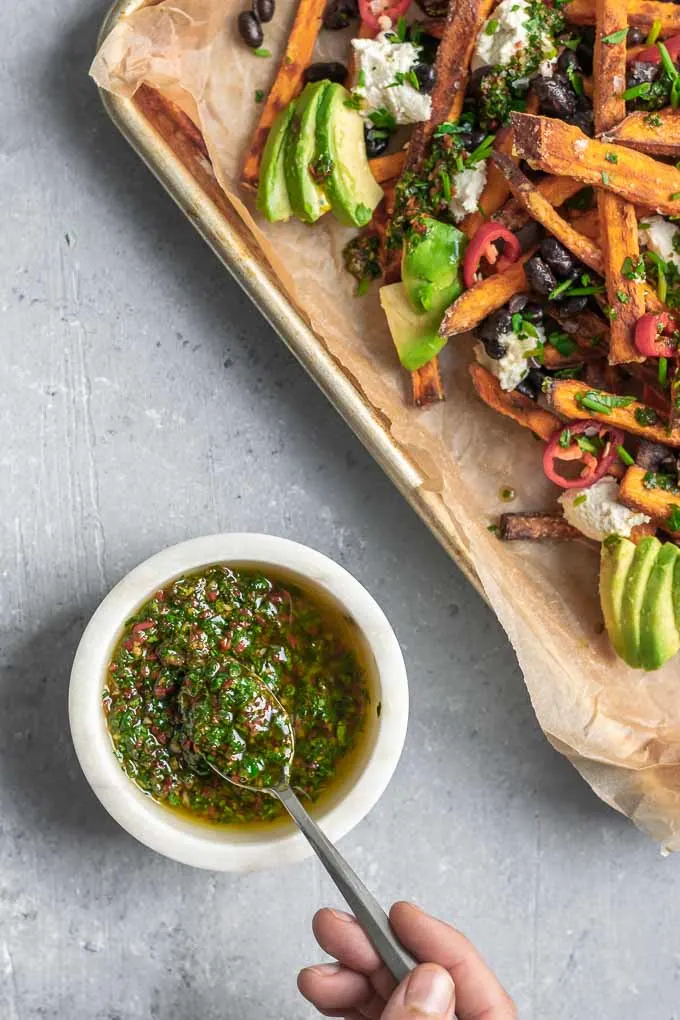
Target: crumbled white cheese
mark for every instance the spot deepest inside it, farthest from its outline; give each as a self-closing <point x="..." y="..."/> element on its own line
<point x="514" y="365"/>
<point x="504" y="35"/>
<point x="467" y="187"/>
<point x="600" y="514"/>
<point x="658" y="235"/>
<point x="379" y="65"/>
<point x="384" y="22"/>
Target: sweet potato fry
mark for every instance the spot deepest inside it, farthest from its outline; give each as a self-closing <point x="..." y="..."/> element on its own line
<point x="641" y="491"/>
<point x="513" y="405"/>
<point x="566" y="396"/>
<point x="618" y="223"/>
<point x="557" y="190"/>
<point x="541" y="210"/>
<point x="656" y="134"/>
<point x="463" y="22"/>
<point x="386" y="168"/>
<point x="426" y="384"/>
<point x="295" y="59"/>
<point x="559" y="148"/>
<point x="529" y="526"/>
<point x="485" y="297"/>
<point x="641" y="14"/>
<point x="496" y="189"/>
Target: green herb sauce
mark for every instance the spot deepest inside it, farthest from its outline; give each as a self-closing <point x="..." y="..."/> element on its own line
<point x="219" y="624"/>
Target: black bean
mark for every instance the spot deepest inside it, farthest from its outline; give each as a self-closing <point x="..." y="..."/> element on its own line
<point x="551" y="325"/>
<point x="540" y="275"/>
<point x="426" y="76"/>
<point x="495" y="348"/>
<point x="651" y="456"/>
<point x="475" y="82"/>
<point x="517" y="303"/>
<point x="533" y="311"/>
<point x="566" y="60"/>
<point x="264" y="9"/>
<point x="428" y="43"/>
<point x="635" y="37"/>
<point x="376" y="141"/>
<point x="330" y="70"/>
<point x="585" y="121"/>
<point x="250" y="29"/>
<point x="532" y="384"/>
<point x="559" y="258"/>
<point x="496" y="324"/>
<point x="641" y="71"/>
<point x="474" y="138"/>
<point x="529" y="235"/>
<point x="573" y="305"/>
<point x="555" y="96"/>
<point x="339" y="14"/>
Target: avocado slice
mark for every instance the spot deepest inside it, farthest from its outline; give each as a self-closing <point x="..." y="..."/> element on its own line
<point x="306" y="196"/>
<point x="659" y="637"/>
<point x="646" y="553"/>
<point x="430" y="265"/>
<point x="341" y="159"/>
<point x="416" y="335"/>
<point x="272" y="193"/>
<point x="616" y="556"/>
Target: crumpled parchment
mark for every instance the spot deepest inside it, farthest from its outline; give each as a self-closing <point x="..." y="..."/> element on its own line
<point x="619" y="727"/>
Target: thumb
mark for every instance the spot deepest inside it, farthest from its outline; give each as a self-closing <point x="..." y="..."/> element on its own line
<point x="428" y="993"/>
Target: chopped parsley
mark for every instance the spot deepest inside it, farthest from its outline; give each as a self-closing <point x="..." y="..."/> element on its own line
<point x="673" y="519"/>
<point x="562" y="343"/>
<point x="611" y="157"/>
<point x="259" y="95"/>
<point x="615" y="37"/>
<point x="580" y="499"/>
<point x="646" y="416"/>
<point x="660" y="480"/>
<point x="262" y="52"/>
<point x="491" y="26"/>
<point x="601" y="402"/>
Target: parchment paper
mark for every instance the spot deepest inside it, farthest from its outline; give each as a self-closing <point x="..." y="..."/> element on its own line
<point x="619" y="727"/>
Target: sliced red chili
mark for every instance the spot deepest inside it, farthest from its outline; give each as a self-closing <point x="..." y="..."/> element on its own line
<point x="592" y="443"/>
<point x="656" y="335"/>
<point x="482" y="246"/>
<point x="371" y="10"/>
<point x="651" y="54"/>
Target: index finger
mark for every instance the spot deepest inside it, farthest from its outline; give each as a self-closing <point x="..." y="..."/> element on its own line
<point x="479" y="993"/>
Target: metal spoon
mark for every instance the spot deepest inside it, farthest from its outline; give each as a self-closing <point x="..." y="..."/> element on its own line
<point x="266" y="706"/>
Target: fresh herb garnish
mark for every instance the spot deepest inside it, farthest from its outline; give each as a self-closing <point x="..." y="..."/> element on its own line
<point x="580" y="499"/>
<point x="562" y="343"/>
<point x="624" y="455"/>
<point x="603" y="403"/>
<point x="611" y="157"/>
<point x="259" y="95"/>
<point x="491" y="27"/>
<point x="615" y="37"/>
<point x="262" y="52"/>
<point x="673" y="519"/>
<point x="645" y="416"/>
<point x="663" y="371"/>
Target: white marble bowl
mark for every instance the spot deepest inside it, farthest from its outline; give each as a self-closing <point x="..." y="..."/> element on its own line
<point x="222" y="848"/>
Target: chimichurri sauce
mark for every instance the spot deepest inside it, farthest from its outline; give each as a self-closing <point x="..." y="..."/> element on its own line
<point x="239" y="726"/>
<point x="203" y="628"/>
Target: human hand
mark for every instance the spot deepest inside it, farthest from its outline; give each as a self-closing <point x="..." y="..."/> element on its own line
<point x="452" y="979"/>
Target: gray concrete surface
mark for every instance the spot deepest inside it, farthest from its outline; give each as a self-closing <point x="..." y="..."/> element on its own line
<point x="145" y="401"/>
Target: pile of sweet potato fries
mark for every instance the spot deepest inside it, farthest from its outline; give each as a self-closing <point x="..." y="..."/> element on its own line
<point x="538" y="165"/>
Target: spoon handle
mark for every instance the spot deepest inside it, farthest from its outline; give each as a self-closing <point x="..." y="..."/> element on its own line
<point x="362" y="903"/>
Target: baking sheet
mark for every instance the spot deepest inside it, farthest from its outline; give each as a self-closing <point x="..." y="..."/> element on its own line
<point x="619" y="727"/>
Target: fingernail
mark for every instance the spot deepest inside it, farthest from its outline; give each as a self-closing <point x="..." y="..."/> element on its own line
<point x="325" y="970"/>
<point x="429" y="991"/>
<point x="342" y="916"/>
